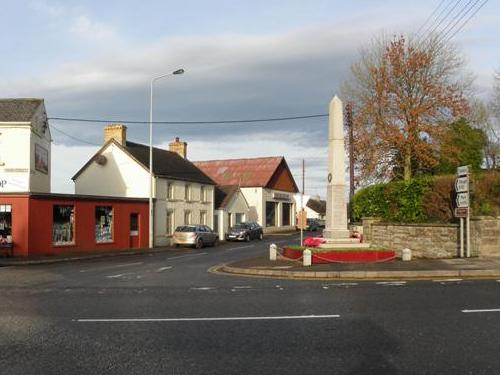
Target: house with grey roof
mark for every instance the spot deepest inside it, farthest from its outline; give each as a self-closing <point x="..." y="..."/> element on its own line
<point x="182" y="193"/>
<point x="24" y="146"/>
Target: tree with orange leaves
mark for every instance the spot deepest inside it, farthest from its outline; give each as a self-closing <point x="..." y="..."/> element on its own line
<point x="403" y="94"/>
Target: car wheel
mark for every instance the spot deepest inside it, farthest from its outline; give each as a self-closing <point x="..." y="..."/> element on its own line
<point x="261" y="236"/>
<point x="247" y="238"/>
<point x="199" y="243"/>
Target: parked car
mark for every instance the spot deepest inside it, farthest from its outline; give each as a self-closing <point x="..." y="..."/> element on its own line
<point x="195" y="235"/>
<point x="312" y="225"/>
<point x="321" y="223"/>
<point x="245" y="232"/>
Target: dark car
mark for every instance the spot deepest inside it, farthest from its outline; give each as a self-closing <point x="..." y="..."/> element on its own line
<point x="312" y="225"/>
<point x="245" y="232"/>
<point x="195" y="235"/>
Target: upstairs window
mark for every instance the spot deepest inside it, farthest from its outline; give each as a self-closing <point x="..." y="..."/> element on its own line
<point x="170" y="191"/>
<point x="187" y="193"/>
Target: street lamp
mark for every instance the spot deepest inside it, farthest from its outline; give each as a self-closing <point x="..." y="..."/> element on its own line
<point x="151" y="224"/>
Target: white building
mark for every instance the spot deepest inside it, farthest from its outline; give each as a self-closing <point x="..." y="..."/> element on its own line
<point x="316" y="208"/>
<point x="182" y="193"/>
<point x="24" y="146"/>
<point x="231" y="208"/>
<point x="267" y="185"/>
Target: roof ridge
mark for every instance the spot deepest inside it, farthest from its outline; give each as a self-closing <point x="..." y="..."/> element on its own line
<point x="238" y="159"/>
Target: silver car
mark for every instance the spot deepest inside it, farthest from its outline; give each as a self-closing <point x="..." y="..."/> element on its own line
<point x="195" y="235"/>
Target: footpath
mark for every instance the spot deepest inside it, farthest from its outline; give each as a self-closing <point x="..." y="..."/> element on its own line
<point x="395" y="269"/>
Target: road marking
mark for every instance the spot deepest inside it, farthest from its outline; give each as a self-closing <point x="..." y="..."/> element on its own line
<point x="235" y="318"/>
<point x="240" y="247"/>
<point x="164" y="269"/>
<point x="481" y="311"/>
<point x="242" y="287"/>
<point x="446" y="280"/>
<point x="203" y="288"/>
<point x="391" y="283"/>
<point x="119" y="275"/>
<point x="111" y="267"/>
<point x="187" y="255"/>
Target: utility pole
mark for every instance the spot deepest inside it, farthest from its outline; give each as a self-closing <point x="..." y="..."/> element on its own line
<point x="348" y="109"/>
<point x="302" y="203"/>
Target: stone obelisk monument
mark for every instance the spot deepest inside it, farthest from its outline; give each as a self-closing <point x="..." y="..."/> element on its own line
<point x="336" y="209"/>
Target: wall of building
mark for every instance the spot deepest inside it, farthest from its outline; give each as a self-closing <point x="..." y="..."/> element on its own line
<point x="40" y="135"/>
<point x="253" y="195"/>
<point x="434" y="240"/>
<point x="120" y="176"/>
<point x="32" y="225"/>
<point x="15" y="164"/>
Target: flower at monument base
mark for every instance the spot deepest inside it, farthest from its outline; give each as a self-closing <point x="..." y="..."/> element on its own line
<point x="313" y="241"/>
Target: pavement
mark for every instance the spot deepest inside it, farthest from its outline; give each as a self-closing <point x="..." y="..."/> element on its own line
<point x="395" y="269"/>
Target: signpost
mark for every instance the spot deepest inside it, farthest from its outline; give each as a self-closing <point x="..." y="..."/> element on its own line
<point x="462" y="209"/>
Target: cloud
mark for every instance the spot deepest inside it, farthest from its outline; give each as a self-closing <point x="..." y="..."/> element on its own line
<point x="83" y="27"/>
<point x="50" y="10"/>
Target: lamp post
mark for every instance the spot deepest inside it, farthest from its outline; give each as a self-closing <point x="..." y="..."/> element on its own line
<point x="151" y="210"/>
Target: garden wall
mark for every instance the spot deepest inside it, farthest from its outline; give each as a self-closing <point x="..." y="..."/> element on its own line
<point x="434" y="240"/>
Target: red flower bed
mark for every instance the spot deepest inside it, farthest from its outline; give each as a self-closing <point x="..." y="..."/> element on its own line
<point x="343" y="256"/>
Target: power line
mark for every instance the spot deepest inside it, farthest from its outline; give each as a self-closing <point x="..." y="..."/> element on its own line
<point x="466" y="21"/>
<point x="72" y="137"/>
<point x="429" y="18"/>
<point x="430" y="31"/>
<point x="237" y="121"/>
<point x="458" y="17"/>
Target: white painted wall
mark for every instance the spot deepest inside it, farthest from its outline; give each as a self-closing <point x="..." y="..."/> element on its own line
<point x="17" y="155"/>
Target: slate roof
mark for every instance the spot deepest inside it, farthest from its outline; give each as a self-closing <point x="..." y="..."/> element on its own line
<point x="317" y="205"/>
<point x="256" y="172"/>
<point x="166" y="164"/>
<point x="18" y="110"/>
<point x="223" y="195"/>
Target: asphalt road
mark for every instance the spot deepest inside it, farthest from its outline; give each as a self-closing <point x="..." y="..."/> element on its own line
<point x="163" y="313"/>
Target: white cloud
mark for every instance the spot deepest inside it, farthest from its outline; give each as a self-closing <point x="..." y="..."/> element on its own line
<point x="50" y="10"/>
<point x="85" y="28"/>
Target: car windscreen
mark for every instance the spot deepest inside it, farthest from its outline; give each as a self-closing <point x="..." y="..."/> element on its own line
<point x="240" y="227"/>
<point x="186" y="228"/>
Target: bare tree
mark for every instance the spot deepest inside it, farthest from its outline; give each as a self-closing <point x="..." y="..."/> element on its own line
<point x="403" y="92"/>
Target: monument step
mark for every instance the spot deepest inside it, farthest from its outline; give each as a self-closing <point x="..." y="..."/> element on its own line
<point x="363" y="245"/>
<point x="342" y="240"/>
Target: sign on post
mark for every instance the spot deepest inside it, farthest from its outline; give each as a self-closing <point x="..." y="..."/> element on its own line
<point x="462" y="200"/>
<point x="462" y="184"/>
<point x="302" y="220"/>
<point x="463" y="170"/>
<point x="461" y="211"/>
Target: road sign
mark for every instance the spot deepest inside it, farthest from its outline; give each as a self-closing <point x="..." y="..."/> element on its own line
<point x="462" y="200"/>
<point x="461" y="211"/>
<point x="462" y="184"/>
<point x="463" y="170"/>
<point x="301" y="200"/>
<point x="302" y="219"/>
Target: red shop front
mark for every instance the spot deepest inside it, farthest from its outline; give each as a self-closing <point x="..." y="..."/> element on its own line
<point x="34" y="224"/>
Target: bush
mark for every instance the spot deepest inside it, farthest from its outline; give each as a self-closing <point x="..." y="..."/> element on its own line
<point x="426" y="199"/>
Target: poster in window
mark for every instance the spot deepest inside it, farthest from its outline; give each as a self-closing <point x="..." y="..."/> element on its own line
<point x="41" y="159"/>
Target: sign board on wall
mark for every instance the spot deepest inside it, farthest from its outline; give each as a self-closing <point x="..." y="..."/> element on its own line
<point x="14" y="183"/>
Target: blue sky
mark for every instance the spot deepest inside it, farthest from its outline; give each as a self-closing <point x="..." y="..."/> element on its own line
<point x="243" y="59"/>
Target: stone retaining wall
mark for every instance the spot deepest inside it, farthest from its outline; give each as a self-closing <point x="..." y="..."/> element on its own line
<point x="434" y="240"/>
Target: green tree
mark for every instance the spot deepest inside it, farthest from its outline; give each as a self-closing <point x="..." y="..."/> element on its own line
<point x="461" y="145"/>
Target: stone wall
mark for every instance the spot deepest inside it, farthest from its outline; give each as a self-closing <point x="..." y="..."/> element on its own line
<point x="434" y="240"/>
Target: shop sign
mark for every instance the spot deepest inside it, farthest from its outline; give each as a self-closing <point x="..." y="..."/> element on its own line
<point x="281" y="197"/>
<point x="14" y="184"/>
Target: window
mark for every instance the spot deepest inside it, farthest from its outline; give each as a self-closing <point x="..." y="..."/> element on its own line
<point x="187" y="192"/>
<point x="170" y="223"/>
<point x="285" y="214"/>
<point x="270" y="214"/>
<point x="104" y="224"/>
<point x="134" y="224"/>
<point x="203" y="217"/>
<point x="203" y="194"/>
<point x="5" y="223"/>
<point x="187" y="217"/>
<point x="63" y="227"/>
<point x="239" y="218"/>
<point x="170" y="191"/>
<point x="216" y="223"/>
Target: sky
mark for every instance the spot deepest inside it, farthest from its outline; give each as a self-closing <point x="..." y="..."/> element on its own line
<point x="243" y="59"/>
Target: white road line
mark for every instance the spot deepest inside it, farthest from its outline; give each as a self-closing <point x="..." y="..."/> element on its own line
<point x="481" y="311"/>
<point x="391" y="283"/>
<point x="119" y="275"/>
<point x="203" y="288"/>
<point x="187" y="255"/>
<point x="164" y="269"/>
<point x="342" y="284"/>
<point x="446" y="280"/>
<point x="111" y="267"/>
<point x="240" y="247"/>
<point x="235" y="318"/>
<point x="242" y="287"/>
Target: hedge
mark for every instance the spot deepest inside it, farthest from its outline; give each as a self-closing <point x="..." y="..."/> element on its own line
<point x="428" y="199"/>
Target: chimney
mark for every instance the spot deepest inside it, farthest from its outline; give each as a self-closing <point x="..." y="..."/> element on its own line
<point x="178" y="147"/>
<point x="117" y="132"/>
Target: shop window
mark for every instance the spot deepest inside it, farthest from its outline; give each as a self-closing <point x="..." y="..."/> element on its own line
<point x="134" y="224"/>
<point x="285" y="214"/>
<point x="63" y="227"/>
<point x="203" y="217"/>
<point x="104" y="224"/>
<point x="5" y="224"/>
<point x="270" y="214"/>
<point x="170" y="223"/>
<point x="187" y="217"/>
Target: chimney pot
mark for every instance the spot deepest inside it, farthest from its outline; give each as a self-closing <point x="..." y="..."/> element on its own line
<point x="118" y="132"/>
<point x="178" y="147"/>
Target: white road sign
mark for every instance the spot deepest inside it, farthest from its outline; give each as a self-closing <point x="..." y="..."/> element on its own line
<point x="463" y="200"/>
<point x="463" y="170"/>
<point x="462" y="184"/>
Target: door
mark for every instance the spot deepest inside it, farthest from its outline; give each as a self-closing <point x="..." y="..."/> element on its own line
<point x="134" y="230"/>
